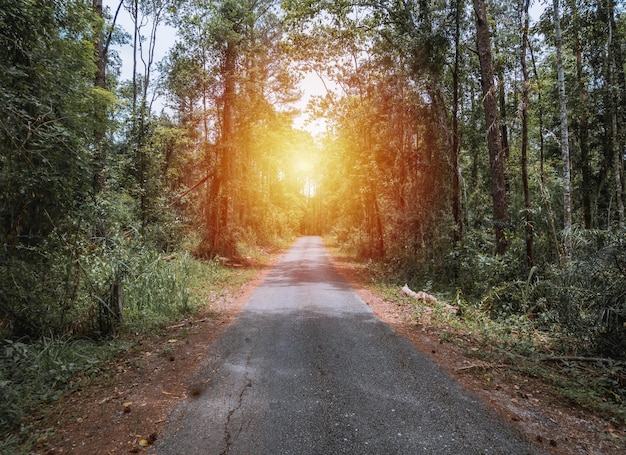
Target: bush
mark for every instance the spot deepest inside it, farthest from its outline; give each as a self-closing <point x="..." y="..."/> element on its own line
<point x="582" y="301"/>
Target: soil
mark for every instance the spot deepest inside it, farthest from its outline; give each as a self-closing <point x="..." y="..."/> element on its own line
<point x="124" y="410"/>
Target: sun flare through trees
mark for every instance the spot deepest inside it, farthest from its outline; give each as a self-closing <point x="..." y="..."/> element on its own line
<point x="232" y="82"/>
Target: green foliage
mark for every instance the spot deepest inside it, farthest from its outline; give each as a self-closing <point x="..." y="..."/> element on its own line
<point x="517" y="343"/>
<point x="157" y="291"/>
<point x="35" y="373"/>
<point x="46" y="80"/>
<point x="65" y="287"/>
<point x="580" y="302"/>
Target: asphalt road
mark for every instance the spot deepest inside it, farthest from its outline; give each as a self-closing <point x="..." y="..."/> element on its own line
<point x="308" y="368"/>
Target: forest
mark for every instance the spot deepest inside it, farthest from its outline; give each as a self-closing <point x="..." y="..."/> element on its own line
<point x="470" y="149"/>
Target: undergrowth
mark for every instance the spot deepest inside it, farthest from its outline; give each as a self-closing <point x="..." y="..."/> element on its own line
<point x="157" y="290"/>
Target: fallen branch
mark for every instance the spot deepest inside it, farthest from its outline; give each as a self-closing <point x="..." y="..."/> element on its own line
<point x="568" y="358"/>
<point x="185" y="323"/>
<point x="427" y="298"/>
<point x="475" y="366"/>
<point x="421" y="295"/>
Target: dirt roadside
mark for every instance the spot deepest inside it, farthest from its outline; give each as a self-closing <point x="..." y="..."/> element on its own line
<point x="125" y="410"/>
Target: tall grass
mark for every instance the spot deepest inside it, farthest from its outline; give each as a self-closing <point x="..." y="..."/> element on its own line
<point x="158" y="290"/>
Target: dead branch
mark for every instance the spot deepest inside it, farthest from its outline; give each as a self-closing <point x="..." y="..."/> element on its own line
<point x="475" y="366"/>
<point x="421" y="295"/>
<point x="427" y="298"/>
<point x="568" y="358"/>
<point x="187" y="322"/>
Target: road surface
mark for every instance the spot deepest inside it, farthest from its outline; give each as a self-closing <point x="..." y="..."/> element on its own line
<point x="308" y="368"/>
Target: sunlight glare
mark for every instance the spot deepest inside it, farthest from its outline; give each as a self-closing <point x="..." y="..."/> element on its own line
<point x="304" y="168"/>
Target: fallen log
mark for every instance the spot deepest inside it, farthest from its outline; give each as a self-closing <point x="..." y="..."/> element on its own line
<point x="427" y="298"/>
<point x="421" y="295"/>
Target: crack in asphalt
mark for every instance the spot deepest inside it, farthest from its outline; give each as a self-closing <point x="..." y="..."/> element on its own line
<point x="228" y="435"/>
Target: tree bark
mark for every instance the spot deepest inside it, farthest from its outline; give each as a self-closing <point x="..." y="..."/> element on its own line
<point x="565" y="153"/>
<point x="494" y="142"/>
<point x="454" y="154"/>
<point x="613" y="50"/>
<point x="222" y="188"/>
<point x="100" y="82"/>
<point x="583" y="138"/>
<point x="528" y="227"/>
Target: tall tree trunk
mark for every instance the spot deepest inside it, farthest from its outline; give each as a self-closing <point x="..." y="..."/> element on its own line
<point x="565" y="154"/>
<point x="530" y="255"/>
<point x="613" y="51"/>
<point x="101" y="64"/>
<point x="376" y="225"/>
<point x="583" y="138"/>
<point x="544" y="195"/>
<point x="504" y="131"/>
<point x="227" y="154"/>
<point x="494" y="142"/>
<point x="582" y="131"/>
<point x="621" y="109"/>
<point x="454" y="155"/>
<point x="100" y="82"/>
<point x="135" y="16"/>
<point x="137" y="126"/>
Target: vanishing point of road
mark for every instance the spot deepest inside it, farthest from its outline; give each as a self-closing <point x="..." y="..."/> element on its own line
<point x="308" y="368"/>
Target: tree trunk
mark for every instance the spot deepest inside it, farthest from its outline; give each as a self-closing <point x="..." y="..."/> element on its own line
<point x="454" y="154"/>
<point x="224" y="207"/>
<point x="583" y="138"/>
<point x="494" y="142"/>
<point x="135" y="15"/>
<point x="530" y="255"/>
<point x="100" y="82"/>
<point x="542" y="189"/>
<point x="613" y="51"/>
<point x="565" y="154"/>
<point x="377" y="225"/>
<point x="506" y="149"/>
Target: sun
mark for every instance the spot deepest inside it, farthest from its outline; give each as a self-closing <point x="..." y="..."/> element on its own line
<point x="304" y="169"/>
<point x="302" y="166"/>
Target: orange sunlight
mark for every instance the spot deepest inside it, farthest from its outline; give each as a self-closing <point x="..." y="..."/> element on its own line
<point x="304" y="164"/>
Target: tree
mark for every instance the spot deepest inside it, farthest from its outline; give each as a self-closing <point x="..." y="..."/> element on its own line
<point x="496" y="153"/>
<point x="565" y="154"/>
<point x="47" y="72"/>
<point x="457" y="211"/>
<point x="617" y="85"/>
<point x="528" y="225"/>
<point x="151" y="14"/>
<point x="224" y="72"/>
